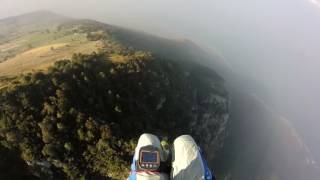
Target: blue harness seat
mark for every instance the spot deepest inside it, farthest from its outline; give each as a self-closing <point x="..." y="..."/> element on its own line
<point x="188" y="162"/>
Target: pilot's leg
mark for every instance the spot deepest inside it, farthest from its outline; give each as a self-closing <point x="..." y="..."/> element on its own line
<point x="146" y="168"/>
<point x="187" y="162"/>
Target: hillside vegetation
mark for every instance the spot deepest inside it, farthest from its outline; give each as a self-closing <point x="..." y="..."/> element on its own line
<point x="84" y="115"/>
<point x="71" y="115"/>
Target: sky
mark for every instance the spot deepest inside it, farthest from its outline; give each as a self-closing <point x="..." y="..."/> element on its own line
<point x="275" y="42"/>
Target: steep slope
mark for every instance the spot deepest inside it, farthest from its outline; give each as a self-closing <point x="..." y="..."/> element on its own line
<point x="261" y="144"/>
<point x="179" y="49"/>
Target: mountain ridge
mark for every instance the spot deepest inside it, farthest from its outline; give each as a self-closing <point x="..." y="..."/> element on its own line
<point x="181" y="48"/>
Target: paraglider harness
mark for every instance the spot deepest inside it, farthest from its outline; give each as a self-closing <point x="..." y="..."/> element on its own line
<point x="152" y="160"/>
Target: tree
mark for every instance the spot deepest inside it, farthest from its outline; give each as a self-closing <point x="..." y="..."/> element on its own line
<point x="49" y="150"/>
<point x="68" y="146"/>
<point x="105" y="132"/>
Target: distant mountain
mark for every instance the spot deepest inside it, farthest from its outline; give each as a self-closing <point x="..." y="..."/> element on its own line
<point x="25" y="23"/>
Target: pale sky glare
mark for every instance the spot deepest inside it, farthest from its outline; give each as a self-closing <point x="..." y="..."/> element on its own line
<point x="315" y="2"/>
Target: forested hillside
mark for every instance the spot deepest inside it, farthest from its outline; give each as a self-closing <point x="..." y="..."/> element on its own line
<point x="80" y="117"/>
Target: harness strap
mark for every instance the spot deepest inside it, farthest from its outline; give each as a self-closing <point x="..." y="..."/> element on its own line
<point x="147" y="171"/>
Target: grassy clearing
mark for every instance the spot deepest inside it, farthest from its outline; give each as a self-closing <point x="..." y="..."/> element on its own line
<point x="118" y="58"/>
<point x="38" y="50"/>
<point x="24" y="43"/>
<point x="42" y="57"/>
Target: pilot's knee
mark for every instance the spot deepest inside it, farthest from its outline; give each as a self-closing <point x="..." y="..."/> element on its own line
<point x="148" y="139"/>
<point x="184" y="140"/>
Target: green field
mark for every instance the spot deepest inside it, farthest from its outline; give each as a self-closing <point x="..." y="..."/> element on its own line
<point x="40" y="49"/>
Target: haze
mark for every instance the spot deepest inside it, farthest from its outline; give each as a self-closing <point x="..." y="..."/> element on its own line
<point x="274" y="42"/>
